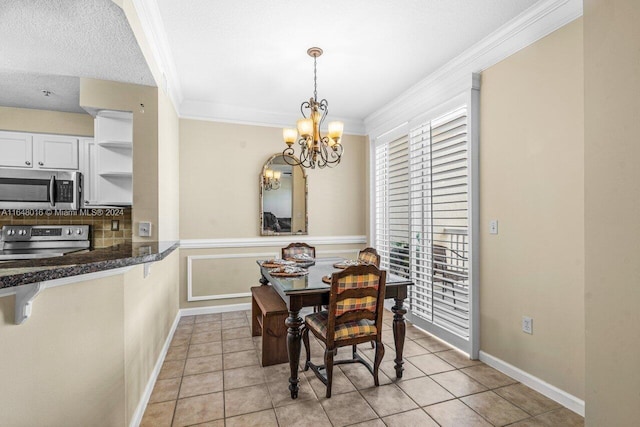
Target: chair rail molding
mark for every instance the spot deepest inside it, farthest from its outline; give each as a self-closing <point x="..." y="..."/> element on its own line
<point x="254" y="242"/>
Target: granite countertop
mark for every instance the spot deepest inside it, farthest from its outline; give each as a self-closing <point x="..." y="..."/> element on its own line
<point x="16" y="273"/>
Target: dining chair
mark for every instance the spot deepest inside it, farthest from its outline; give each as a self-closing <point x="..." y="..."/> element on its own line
<point x="369" y="255"/>
<point x="298" y="248"/>
<point x="356" y="304"/>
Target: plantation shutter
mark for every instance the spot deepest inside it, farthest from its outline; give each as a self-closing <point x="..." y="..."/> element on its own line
<point x="392" y="206"/>
<point x="439" y="187"/>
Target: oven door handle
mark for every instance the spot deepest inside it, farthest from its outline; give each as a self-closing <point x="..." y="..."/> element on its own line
<point x="52" y="191"/>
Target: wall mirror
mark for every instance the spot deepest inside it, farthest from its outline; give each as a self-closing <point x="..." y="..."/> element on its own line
<point x="283" y="197"/>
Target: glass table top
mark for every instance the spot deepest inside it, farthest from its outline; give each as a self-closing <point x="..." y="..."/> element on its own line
<point x="313" y="280"/>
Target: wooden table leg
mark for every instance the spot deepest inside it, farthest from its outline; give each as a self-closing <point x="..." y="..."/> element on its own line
<point x="399" y="331"/>
<point x="263" y="280"/>
<point x="293" y="322"/>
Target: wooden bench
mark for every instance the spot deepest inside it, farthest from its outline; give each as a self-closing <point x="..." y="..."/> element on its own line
<point x="268" y="313"/>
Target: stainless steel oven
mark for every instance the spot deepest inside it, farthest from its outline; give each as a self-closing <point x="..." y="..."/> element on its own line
<point x="20" y="189"/>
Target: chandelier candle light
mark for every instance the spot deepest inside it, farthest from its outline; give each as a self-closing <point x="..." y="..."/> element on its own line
<point x="271" y="179"/>
<point x="315" y="149"/>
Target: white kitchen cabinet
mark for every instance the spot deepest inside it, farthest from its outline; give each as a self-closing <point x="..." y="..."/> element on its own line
<point x="113" y="152"/>
<point x="56" y="152"/>
<point x="38" y="151"/>
<point x="88" y="169"/>
<point x="16" y="149"/>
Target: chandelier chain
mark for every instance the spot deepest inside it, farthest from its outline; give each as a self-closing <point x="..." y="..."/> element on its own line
<point x="315" y="79"/>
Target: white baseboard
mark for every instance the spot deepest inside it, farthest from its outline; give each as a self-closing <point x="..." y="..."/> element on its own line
<point x="144" y="400"/>
<point x="214" y="309"/>
<point x="562" y="397"/>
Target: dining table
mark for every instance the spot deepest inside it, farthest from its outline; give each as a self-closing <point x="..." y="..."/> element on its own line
<point x="310" y="291"/>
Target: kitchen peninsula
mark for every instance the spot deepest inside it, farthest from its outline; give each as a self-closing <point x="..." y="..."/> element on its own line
<point x="16" y="273"/>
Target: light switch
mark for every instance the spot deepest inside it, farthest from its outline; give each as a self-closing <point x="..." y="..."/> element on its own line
<point x="144" y="229"/>
<point x="493" y="226"/>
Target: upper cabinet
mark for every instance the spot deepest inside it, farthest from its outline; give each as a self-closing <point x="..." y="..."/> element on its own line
<point x="17" y="149"/>
<point x="37" y="151"/>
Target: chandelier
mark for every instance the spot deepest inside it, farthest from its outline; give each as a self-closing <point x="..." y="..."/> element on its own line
<point x="271" y="179"/>
<point x="315" y="149"/>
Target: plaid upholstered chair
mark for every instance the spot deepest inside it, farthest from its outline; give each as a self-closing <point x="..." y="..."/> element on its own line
<point x="354" y="317"/>
<point x="298" y="248"/>
<point x="369" y="255"/>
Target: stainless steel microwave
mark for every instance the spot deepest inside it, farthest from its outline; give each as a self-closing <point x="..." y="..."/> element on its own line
<point x="20" y="189"/>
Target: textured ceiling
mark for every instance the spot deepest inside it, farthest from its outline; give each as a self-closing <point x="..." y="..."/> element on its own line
<point x="250" y="55"/>
<point x="49" y="44"/>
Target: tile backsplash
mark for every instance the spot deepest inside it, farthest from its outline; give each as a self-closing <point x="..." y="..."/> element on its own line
<point x="100" y="221"/>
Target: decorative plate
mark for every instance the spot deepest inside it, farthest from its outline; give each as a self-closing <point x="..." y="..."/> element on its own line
<point x="349" y="263"/>
<point x="275" y="263"/>
<point x="288" y="271"/>
<point x="326" y="279"/>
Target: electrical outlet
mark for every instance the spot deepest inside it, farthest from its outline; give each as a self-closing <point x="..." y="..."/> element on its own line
<point x="144" y="229"/>
<point x="493" y="226"/>
<point x="527" y="325"/>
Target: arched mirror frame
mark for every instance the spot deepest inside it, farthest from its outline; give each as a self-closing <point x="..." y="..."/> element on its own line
<point x="266" y="166"/>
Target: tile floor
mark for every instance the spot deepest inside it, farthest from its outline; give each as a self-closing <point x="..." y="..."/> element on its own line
<point x="212" y="377"/>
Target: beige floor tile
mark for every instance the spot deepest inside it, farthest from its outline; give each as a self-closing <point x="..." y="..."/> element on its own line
<point x="171" y="369"/>
<point x="233" y="315"/>
<point x="360" y="376"/>
<point x="244" y="400"/>
<point x="165" y="390"/>
<point x="279" y="372"/>
<point x="430" y="364"/>
<point x="454" y="413"/>
<point x="488" y="376"/>
<point x="456" y="358"/>
<point x="207" y="327"/>
<point x="415" y="333"/>
<point x="194" y="385"/>
<point x="424" y="391"/>
<point x="206" y="349"/>
<point x="203" y="337"/>
<point x="257" y="419"/>
<point x="243" y="377"/>
<point x="204" y="318"/>
<point x="409" y="372"/>
<point x="308" y="413"/>
<point x="410" y="349"/>
<point x="458" y="383"/>
<point x="529" y="422"/>
<point x="349" y="408"/>
<point x="388" y="400"/>
<point x="158" y="414"/>
<point x="432" y="344"/>
<point x="340" y="384"/>
<point x="241" y="359"/>
<point x="182" y="334"/>
<point x="494" y="408"/>
<point x="187" y="320"/>
<point x="200" y="365"/>
<point x="371" y="423"/>
<point x="233" y="346"/>
<point x="199" y="409"/>
<point x="561" y="417"/>
<point x="280" y="394"/>
<point x="416" y="417"/>
<point x="180" y="341"/>
<point x="216" y="423"/>
<point x="236" y="333"/>
<point x="527" y="399"/>
<point x="184" y="329"/>
<point x="235" y="323"/>
<point x="177" y="353"/>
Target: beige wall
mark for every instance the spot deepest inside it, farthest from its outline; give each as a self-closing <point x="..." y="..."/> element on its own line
<point x="220" y="168"/>
<point x="532" y="182"/>
<point x="101" y="94"/>
<point x="168" y="169"/>
<point x="86" y="353"/>
<point x="612" y="210"/>
<point x="44" y="121"/>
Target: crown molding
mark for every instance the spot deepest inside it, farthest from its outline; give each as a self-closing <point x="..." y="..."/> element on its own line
<point x="210" y="111"/>
<point x="454" y="77"/>
<point x="153" y="29"/>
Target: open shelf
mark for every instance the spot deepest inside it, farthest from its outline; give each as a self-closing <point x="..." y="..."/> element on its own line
<point x="116" y="174"/>
<point x="116" y="144"/>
